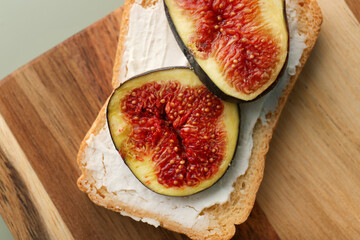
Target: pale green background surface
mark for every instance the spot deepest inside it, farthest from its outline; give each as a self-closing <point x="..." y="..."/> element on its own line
<point x="29" y="28"/>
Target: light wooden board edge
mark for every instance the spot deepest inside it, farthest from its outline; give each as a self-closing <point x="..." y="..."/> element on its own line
<point x="33" y="202"/>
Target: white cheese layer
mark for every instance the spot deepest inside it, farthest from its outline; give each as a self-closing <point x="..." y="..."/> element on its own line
<point x="150" y="45"/>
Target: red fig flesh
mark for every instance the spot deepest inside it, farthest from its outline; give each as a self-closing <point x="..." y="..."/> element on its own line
<point x="174" y="134"/>
<point x="237" y="47"/>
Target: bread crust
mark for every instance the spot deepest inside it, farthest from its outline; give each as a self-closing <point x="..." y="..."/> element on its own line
<point x="237" y="209"/>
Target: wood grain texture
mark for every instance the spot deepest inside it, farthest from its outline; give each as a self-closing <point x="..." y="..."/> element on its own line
<point x="49" y="104"/>
<point x="32" y="213"/>
<point x="354" y="6"/>
<point x="312" y="175"/>
<point x="16" y="204"/>
<point x="256" y="227"/>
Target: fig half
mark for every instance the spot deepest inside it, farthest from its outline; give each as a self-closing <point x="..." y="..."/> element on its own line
<point x="238" y="48"/>
<point x="174" y="134"/>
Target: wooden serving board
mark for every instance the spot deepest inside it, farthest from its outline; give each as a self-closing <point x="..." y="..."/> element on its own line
<point x="311" y="187"/>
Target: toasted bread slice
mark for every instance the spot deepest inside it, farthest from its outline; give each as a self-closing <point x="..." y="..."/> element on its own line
<point x="221" y="217"/>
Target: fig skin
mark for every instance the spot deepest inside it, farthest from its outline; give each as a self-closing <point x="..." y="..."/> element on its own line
<point x="177" y="193"/>
<point x="204" y="77"/>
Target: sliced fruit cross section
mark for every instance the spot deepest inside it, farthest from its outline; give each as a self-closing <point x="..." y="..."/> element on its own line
<point x="174" y="134"/>
<point x="237" y="47"/>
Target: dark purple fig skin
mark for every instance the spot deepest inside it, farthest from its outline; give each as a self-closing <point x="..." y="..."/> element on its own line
<point x="205" y="79"/>
<point x="146" y="73"/>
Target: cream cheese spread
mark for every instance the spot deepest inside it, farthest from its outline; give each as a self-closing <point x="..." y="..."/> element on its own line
<point x="150" y="45"/>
